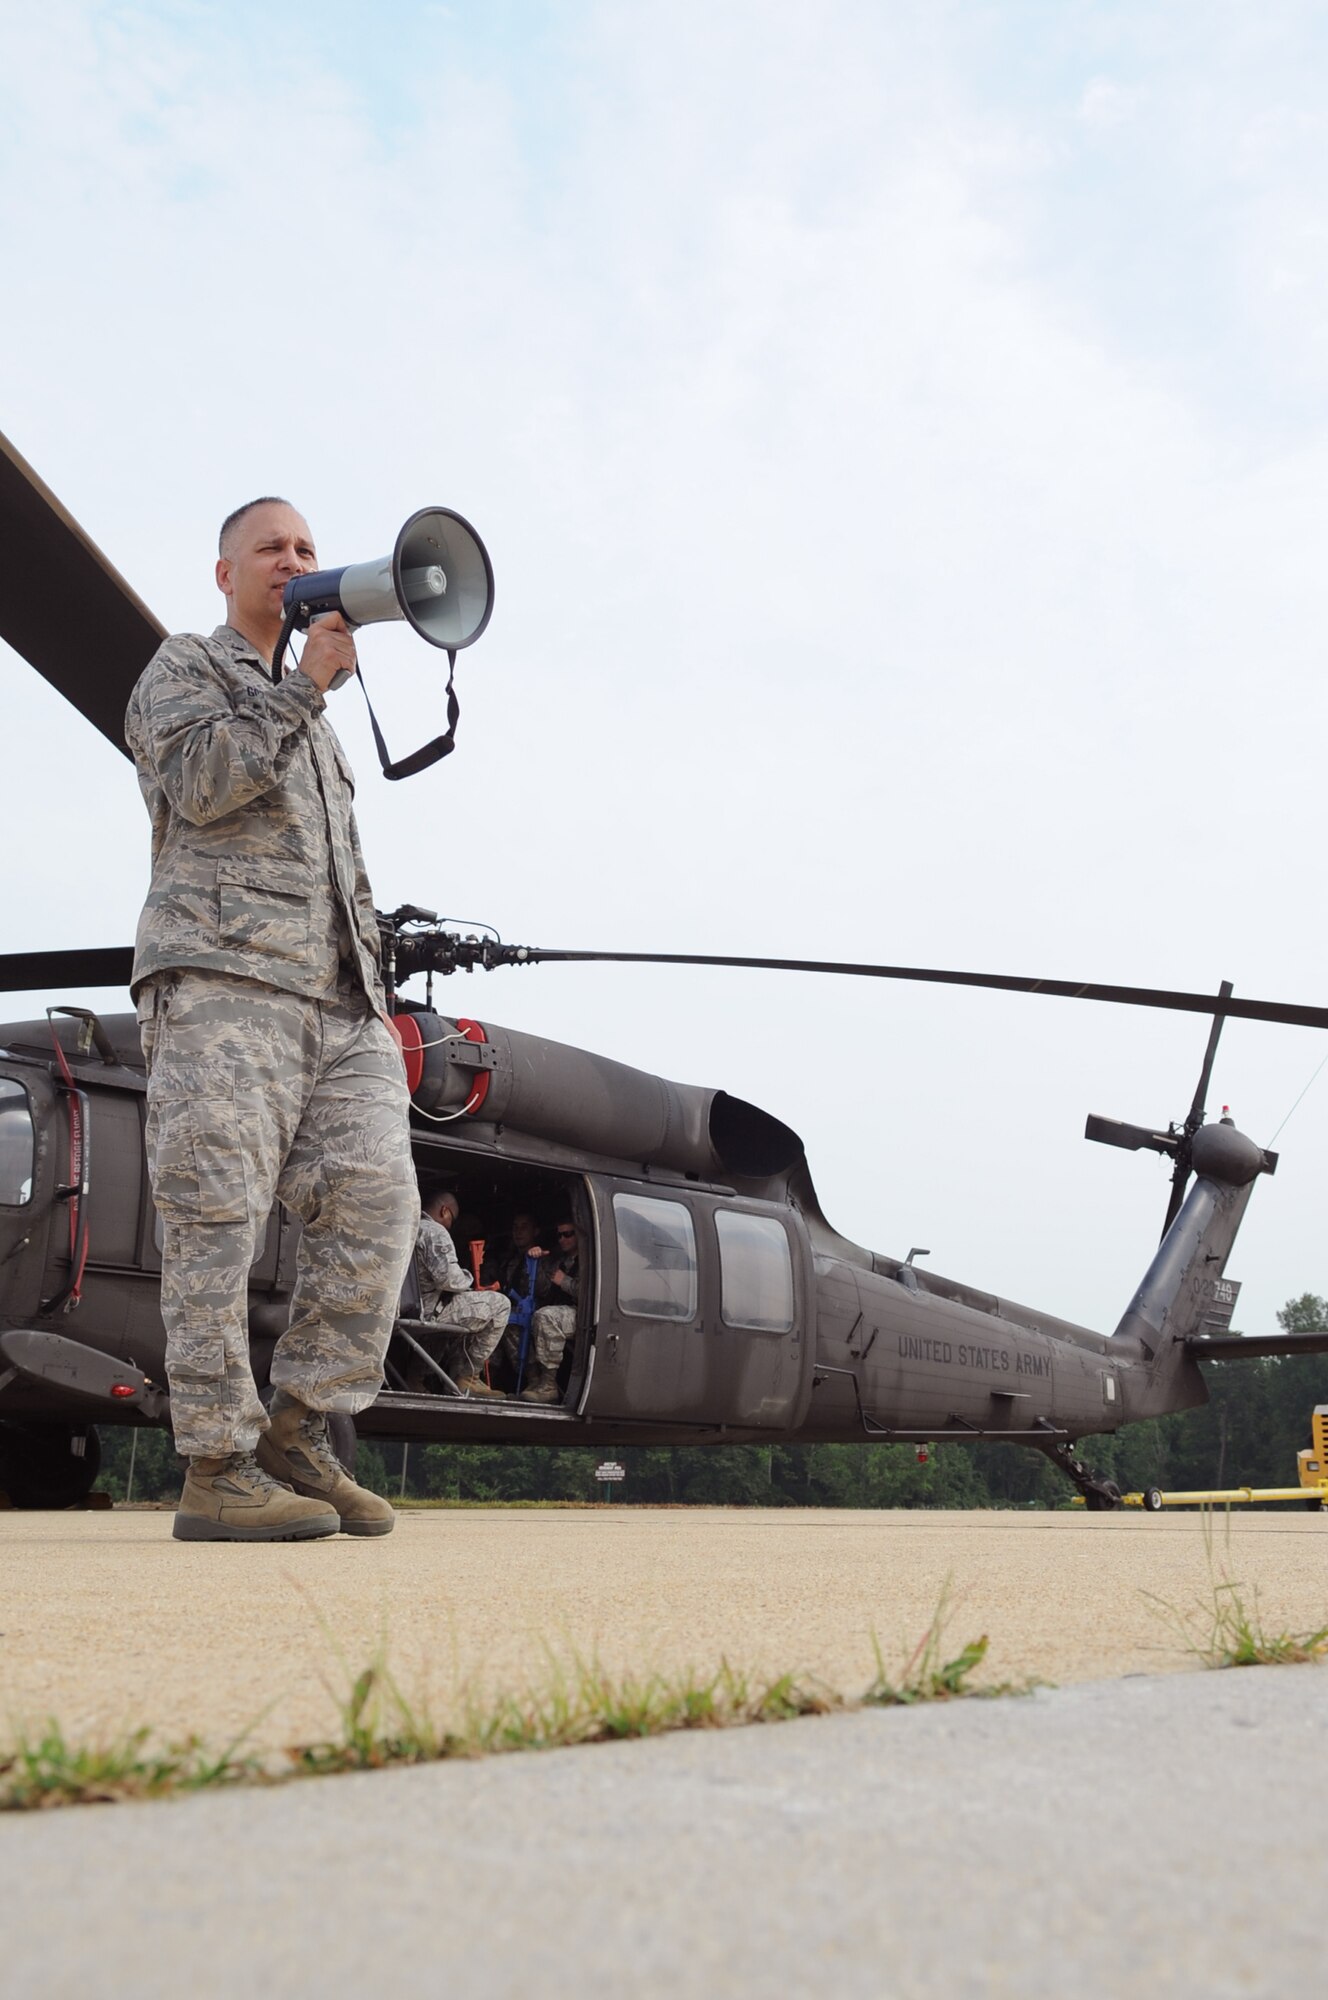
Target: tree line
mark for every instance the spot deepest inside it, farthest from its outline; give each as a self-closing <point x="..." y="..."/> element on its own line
<point x="1247" y="1434"/>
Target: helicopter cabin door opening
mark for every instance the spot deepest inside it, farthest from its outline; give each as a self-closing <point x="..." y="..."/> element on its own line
<point x="515" y="1226"/>
<point x="702" y="1309"/>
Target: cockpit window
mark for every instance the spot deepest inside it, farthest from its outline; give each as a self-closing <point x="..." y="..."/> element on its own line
<point x="18" y="1145"/>
<point x="656" y="1258"/>
<point x="756" y="1272"/>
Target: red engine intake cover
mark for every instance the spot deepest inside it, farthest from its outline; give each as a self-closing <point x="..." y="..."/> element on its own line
<point x="410" y="1040"/>
<point x="411" y="1044"/>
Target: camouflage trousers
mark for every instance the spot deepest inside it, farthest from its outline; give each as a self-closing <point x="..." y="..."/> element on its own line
<point x="479" y="1318"/>
<point x="551" y="1327"/>
<point x="256" y="1096"/>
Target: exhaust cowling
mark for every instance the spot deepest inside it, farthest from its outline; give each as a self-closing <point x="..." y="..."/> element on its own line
<point x="589" y="1102"/>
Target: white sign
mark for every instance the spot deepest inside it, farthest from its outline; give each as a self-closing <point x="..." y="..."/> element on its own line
<point x="610" y="1470"/>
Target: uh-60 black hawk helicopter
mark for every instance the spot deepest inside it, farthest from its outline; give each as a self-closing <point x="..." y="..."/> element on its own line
<point x="716" y="1301"/>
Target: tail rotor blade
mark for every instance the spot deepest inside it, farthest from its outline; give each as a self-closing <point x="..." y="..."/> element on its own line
<point x="1180" y="1178"/>
<point x="1196" y="1117"/>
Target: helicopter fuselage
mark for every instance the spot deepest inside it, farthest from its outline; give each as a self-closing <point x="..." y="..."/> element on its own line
<point x="716" y="1302"/>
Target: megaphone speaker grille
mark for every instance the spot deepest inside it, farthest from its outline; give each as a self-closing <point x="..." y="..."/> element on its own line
<point x="443" y="578"/>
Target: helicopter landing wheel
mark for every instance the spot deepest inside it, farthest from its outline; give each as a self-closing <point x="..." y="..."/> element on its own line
<point x="1103" y="1498"/>
<point x="46" y="1465"/>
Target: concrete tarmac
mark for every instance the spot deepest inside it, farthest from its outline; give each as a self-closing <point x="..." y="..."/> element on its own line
<point x="107" y="1624"/>
<point x="1143" y="1837"/>
<point x="1151" y="1834"/>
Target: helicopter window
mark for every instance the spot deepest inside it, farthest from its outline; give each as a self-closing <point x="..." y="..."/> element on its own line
<point x="18" y="1150"/>
<point x="756" y="1272"/>
<point x="656" y="1258"/>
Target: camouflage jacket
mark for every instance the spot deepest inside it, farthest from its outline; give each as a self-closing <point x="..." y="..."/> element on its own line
<point x="549" y="1294"/>
<point x="256" y="862"/>
<point x="440" y="1273"/>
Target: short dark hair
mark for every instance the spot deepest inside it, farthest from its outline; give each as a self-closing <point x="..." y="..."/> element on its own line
<point x="234" y="520"/>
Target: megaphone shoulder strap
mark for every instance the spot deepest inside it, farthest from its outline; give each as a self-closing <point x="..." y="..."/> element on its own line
<point x="428" y="753"/>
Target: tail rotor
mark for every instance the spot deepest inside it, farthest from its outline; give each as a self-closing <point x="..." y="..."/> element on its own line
<point x="1177" y="1140"/>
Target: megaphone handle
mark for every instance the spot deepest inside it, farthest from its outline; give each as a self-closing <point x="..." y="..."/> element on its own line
<point x="343" y="674"/>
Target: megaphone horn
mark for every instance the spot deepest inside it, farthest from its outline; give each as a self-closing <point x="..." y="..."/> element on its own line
<point x="438" y="578"/>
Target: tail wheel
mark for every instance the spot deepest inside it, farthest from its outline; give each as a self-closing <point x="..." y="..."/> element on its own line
<point x="1103" y="1498"/>
<point x="1152" y="1500"/>
<point x="47" y="1466"/>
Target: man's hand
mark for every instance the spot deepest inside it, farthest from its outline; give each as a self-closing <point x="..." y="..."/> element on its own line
<point x="328" y="651"/>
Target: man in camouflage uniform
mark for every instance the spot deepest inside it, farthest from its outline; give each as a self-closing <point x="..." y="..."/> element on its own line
<point x="553" y="1322"/>
<point x="506" y="1264"/>
<point x="447" y="1297"/>
<point x="272" y="1073"/>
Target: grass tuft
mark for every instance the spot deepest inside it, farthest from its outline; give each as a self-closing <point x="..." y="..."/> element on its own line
<point x="575" y="1700"/>
<point x="1227" y="1629"/>
<point x="49" y="1771"/>
<point x="926" y="1675"/>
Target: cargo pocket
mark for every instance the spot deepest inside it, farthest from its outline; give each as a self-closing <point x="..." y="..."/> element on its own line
<point x="197" y="1160"/>
<point x="259" y="911"/>
<point x="151" y="1012"/>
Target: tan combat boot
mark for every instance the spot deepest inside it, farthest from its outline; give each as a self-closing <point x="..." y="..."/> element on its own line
<point x="541" y="1384"/>
<point x="232" y="1499"/>
<point x="475" y="1385"/>
<point x="298" y="1448"/>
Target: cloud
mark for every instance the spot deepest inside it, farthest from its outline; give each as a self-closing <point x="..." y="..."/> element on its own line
<point x="1106" y="104"/>
<point x="903" y="485"/>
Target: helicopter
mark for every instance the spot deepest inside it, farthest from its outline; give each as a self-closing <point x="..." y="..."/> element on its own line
<point x="717" y="1303"/>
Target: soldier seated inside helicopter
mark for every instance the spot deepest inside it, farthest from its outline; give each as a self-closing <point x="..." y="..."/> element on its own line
<point x="542" y="1284"/>
<point x="489" y="1311"/>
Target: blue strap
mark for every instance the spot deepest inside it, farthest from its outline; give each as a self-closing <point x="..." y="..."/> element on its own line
<point x="522" y="1312"/>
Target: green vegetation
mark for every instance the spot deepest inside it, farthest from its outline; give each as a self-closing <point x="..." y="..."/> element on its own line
<point x="46" y="1770"/>
<point x="577" y="1700"/>
<point x="1225" y="1630"/>
<point x="927" y="1676"/>
<point x="1248" y="1434"/>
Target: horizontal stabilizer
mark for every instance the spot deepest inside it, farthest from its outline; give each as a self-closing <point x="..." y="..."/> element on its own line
<point x="1253" y="1346"/>
<point x="1111" y="1132"/>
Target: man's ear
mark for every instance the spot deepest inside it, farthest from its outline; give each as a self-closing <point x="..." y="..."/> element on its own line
<point x="223" y="575"/>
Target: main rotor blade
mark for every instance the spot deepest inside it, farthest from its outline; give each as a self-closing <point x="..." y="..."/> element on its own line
<point x="62" y="605"/>
<point x="1285" y="1012"/>
<point x="28" y="971"/>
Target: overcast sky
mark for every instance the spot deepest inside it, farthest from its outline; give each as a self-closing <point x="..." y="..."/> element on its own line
<point x="900" y="432"/>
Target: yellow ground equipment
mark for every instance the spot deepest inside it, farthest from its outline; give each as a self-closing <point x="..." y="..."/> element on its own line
<point x="1312" y="1466"/>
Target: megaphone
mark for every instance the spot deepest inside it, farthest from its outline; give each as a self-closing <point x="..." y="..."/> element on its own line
<point x="438" y="578"/>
